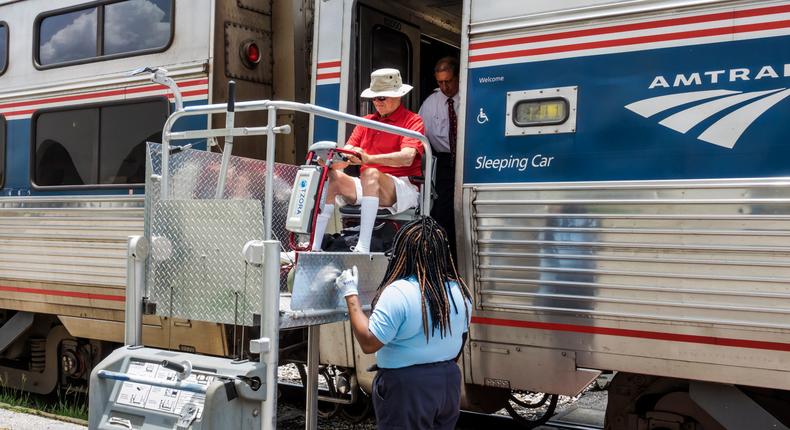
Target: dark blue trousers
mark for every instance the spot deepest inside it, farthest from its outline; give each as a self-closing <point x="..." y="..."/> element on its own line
<point x="425" y="396"/>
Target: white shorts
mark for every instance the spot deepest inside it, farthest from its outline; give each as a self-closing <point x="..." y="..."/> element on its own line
<point x="407" y="195"/>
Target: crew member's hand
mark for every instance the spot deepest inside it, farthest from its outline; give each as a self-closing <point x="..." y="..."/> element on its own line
<point x="347" y="282"/>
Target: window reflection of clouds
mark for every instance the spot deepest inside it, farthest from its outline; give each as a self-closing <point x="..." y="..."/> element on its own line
<point x="129" y="26"/>
<point x="136" y="25"/>
<point x="71" y="36"/>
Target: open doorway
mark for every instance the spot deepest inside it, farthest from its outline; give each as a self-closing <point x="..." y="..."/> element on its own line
<point x="431" y="51"/>
<point x="412" y="36"/>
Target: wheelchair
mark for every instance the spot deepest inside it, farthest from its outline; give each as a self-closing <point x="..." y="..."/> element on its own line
<point x="315" y="174"/>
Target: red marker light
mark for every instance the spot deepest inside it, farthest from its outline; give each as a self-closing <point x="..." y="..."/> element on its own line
<point x="250" y="53"/>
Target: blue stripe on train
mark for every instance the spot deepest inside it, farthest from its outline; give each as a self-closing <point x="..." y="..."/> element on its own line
<point x="328" y="96"/>
<point x="613" y="143"/>
<point x="17" y="175"/>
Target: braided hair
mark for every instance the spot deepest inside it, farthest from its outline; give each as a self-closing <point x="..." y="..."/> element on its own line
<point x="420" y="249"/>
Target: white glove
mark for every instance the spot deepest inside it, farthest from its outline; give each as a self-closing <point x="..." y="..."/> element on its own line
<point x="347" y="282"/>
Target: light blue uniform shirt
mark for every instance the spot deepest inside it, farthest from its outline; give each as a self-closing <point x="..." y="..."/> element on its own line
<point x="397" y="323"/>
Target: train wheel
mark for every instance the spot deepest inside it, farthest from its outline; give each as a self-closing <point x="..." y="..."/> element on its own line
<point x="360" y="410"/>
<point x="326" y="410"/>
<point x="531" y="409"/>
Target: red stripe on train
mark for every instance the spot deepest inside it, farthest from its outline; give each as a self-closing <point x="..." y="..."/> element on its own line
<point x="109" y="93"/>
<point x="641" y="334"/>
<point x="328" y="64"/>
<point x="634" y="27"/>
<point x="746" y="28"/>
<point x="63" y="293"/>
<point x="327" y="76"/>
<point x="169" y="96"/>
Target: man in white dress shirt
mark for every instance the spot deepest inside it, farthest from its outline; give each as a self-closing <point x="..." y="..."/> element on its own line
<point x="439" y="114"/>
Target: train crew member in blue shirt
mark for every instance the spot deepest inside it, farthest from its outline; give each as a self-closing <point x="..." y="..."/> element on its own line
<point x="417" y="329"/>
<point x="438" y="113"/>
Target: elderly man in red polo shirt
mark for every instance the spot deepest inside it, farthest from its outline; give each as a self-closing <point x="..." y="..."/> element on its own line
<point x="387" y="161"/>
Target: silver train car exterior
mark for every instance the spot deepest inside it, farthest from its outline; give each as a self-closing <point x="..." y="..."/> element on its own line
<point x="73" y="126"/>
<point x="622" y="200"/>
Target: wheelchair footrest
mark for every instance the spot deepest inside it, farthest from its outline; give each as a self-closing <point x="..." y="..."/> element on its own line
<point x="356" y="210"/>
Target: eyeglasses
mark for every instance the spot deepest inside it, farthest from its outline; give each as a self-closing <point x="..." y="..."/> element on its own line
<point x="379" y="99"/>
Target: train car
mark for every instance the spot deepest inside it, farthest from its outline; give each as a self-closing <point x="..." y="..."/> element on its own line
<point x="73" y="126"/>
<point x="621" y="197"/>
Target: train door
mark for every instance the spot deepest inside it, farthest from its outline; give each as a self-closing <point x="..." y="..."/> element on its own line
<point x="398" y="38"/>
<point x="387" y="42"/>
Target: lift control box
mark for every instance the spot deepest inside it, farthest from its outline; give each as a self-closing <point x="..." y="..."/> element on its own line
<point x="138" y="387"/>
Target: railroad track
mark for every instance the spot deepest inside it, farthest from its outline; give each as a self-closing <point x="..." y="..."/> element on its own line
<point x="473" y="420"/>
<point x="292" y="412"/>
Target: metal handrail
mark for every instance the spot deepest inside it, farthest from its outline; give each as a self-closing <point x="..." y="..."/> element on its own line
<point x="248" y="106"/>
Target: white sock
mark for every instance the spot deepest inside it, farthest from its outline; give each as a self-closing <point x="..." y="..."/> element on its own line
<point x="367" y="218"/>
<point x="320" y="226"/>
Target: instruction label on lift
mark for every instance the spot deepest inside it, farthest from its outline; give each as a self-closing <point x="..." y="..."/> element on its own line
<point x="158" y="398"/>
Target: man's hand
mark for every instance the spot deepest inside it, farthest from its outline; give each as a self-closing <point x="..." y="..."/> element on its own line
<point x="340" y="165"/>
<point x="352" y="159"/>
<point x="357" y="160"/>
<point x="348" y="282"/>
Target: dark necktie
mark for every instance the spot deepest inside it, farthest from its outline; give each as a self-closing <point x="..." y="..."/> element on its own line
<point x="452" y="132"/>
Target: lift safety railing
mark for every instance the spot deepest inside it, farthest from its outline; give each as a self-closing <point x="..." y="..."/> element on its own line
<point x="267" y="345"/>
<point x="270" y="131"/>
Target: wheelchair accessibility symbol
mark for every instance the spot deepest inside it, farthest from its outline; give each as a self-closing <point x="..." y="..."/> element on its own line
<point x="482" y="118"/>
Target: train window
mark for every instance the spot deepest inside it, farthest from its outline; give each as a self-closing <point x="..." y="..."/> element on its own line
<point x="124" y="131"/>
<point x="111" y="29"/>
<point x="543" y="111"/>
<point x="391" y="49"/>
<point x="3" y="47"/>
<point x="388" y="49"/>
<point x="68" y="37"/>
<point x="137" y="25"/>
<point x="96" y="145"/>
<point x="531" y="113"/>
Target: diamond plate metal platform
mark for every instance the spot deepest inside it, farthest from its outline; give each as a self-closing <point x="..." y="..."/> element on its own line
<point x="315" y="299"/>
<point x="196" y="269"/>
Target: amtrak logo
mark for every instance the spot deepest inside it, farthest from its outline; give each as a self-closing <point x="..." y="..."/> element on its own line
<point x="704" y="104"/>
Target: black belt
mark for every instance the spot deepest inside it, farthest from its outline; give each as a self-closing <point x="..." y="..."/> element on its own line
<point x="375" y="367"/>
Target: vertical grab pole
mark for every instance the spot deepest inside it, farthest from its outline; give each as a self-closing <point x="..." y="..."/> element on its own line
<point x="137" y="247"/>
<point x="270" y="328"/>
<point x="269" y="190"/>
<point x="270" y="305"/>
<point x="230" y="117"/>
<point x="311" y="412"/>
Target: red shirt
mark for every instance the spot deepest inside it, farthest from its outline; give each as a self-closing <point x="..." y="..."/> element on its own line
<point x="378" y="142"/>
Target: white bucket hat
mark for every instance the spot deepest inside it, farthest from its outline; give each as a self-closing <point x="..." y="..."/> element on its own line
<point x="386" y="83"/>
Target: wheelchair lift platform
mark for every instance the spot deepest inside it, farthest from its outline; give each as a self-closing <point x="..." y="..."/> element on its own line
<point x="212" y="248"/>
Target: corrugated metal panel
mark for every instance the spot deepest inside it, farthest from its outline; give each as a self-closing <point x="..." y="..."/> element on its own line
<point x="68" y="240"/>
<point x="684" y="253"/>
